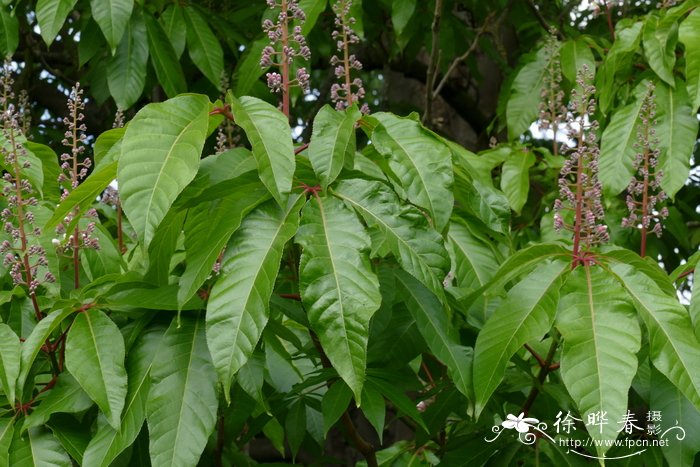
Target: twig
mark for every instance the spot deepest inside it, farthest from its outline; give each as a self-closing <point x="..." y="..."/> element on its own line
<point x="432" y="65"/>
<point x="540" y="19"/>
<point x="608" y="14"/>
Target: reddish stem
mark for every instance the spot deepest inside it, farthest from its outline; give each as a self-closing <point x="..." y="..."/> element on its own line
<point x="285" y="60"/>
<point x="645" y="201"/>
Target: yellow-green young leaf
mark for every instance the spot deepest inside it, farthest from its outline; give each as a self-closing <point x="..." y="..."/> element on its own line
<point x="677" y="131"/>
<point x="421" y="162"/>
<point x="574" y="54"/>
<point x="338" y="288"/>
<point x="270" y="138"/>
<point x="673" y="347"/>
<point x="689" y="35"/>
<point x="164" y="59"/>
<point x="203" y="46"/>
<point x="515" y="178"/>
<point x="51" y="14"/>
<point x="108" y="443"/>
<point x="182" y="401"/>
<point x="37" y="448"/>
<point x="7" y="430"/>
<point x="434" y="325"/>
<point x="10" y="351"/>
<point x="112" y="16"/>
<point x="173" y="21"/>
<point x="95" y="358"/>
<point x="601" y="339"/>
<point x="160" y="156"/>
<point x="659" y="38"/>
<point x="525" y="94"/>
<point x="527" y="314"/>
<point x="238" y="306"/>
<point x="332" y="143"/>
<point x="400" y="229"/>
<point x="9" y="32"/>
<point x="66" y="396"/>
<point x="126" y="72"/>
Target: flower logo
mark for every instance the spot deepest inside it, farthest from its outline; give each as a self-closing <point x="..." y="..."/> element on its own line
<point x="520" y="423"/>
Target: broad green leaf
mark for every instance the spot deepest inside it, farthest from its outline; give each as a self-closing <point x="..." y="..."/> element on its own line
<point x="338" y="288"/>
<point x="689" y="35"/>
<point x="475" y="262"/>
<point x="694" y="308"/>
<point x="644" y="265"/>
<point x="434" y="325"/>
<point x="617" y="149"/>
<point x="49" y="168"/>
<point x="248" y="70"/>
<point x="92" y="41"/>
<point x="673" y="347"/>
<point x="73" y="435"/>
<point x="677" y="131"/>
<point x="182" y="401"/>
<point x="7" y="430"/>
<point x="401" y="229"/>
<point x="392" y="392"/>
<point x="160" y="156"/>
<point x="334" y="404"/>
<point x="374" y="409"/>
<point x="203" y="46"/>
<point x="332" y="142"/>
<point x="401" y="13"/>
<point x="659" y="38"/>
<point x="515" y="178"/>
<point x="524" y="100"/>
<point x="164" y="59"/>
<point x="173" y="20"/>
<point x="238" y="306"/>
<point x="30" y="166"/>
<point x="9" y="32"/>
<point x="601" y="339"/>
<point x="126" y="73"/>
<point x="51" y="14"/>
<point x="163" y="246"/>
<point x="105" y="145"/>
<point x="420" y="161"/>
<point x="95" y="357"/>
<point x="108" y="443"/>
<point x="574" y="54"/>
<point x="270" y="138"/>
<point x="112" y="16"/>
<point x="484" y="202"/>
<point x="37" y="448"/>
<point x="210" y="225"/>
<point x="312" y="9"/>
<point x="525" y="315"/>
<point x="10" y="352"/>
<point x="619" y="58"/>
<point x="295" y="425"/>
<point x="135" y="295"/>
<point x="66" y="396"/>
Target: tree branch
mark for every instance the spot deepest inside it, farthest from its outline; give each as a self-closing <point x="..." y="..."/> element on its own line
<point x="432" y="65"/>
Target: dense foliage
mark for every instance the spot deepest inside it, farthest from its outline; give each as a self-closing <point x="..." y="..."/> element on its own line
<point x="294" y="273"/>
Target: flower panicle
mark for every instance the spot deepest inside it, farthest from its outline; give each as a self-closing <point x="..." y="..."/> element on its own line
<point x="552" y="108"/>
<point x="349" y="90"/>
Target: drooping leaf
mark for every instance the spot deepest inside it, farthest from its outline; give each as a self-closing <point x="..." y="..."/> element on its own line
<point x="66" y="396"/>
<point x="295" y="425"/>
<point x="574" y="54"/>
<point x="203" y="46"/>
<point x="182" y="402"/>
<point x="164" y="59"/>
<point x="332" y="142"/>
<point x="268" y="132"/>
<point x="238" y="306"/>
<point x="126" y="73"/>
<point x="173" y="21"/>
<point x="49" y="168"/>
<point x="10" y="352"/>
<point x="524" y="100"/>
<point x="527" y="314"/>
<point x="659" y="38"/>
<point x="475" y="262"/>
<point x="95" y="357"/>
<point x="601" y="339"/>
<point x="689" y="35"/>
<point x="73" y="436"/>
<point x="619" y="57"/>
<point x="401" y="13"/>
<point x="7" y="430"/>
<point x="248" y="70"/>
<point x="433" y="323"/>
<point x="9" y="32"/>
<point x="160" y="156"/>
<point x="515" y="178"/>
<point x="338" y="288"/>
<point x="401" y="229"/>
<point x="112" y="16"/>
<point x="51" y="14"/>
<point x="335" y="402"/>
<point x="374" y="409"/>
<point x="420" y="161"/>
<point x="37" y="448"/>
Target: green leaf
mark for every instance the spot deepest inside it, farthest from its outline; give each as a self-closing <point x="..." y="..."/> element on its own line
<point x="112" y="16"/>
<point x="689" y="35"/>
<point x="73" y="435"/>
<point x="33" y="172"/>
<point x="334" y="404"/>
<point x="401" y="13"/>
<point x="164" y="59"/>
<point x="401" y="229"/>
<point x="160" y="156"/>
<point x="210" y="225"/>
<point x="108" y="443"/>
<point x="574" y="54"/>
<point x="248" y="70"/>
<point x="374" y="409"/>
<point x="434" y="325"/>
<point x="527" y="314"/>
<point x="268" y="131"/>
<point x="203" y="46"/>
<point x="677" y="131"/>
<point x="51" y="14"/>
<point x="420" y="161"/>
<point x="475" y="262"/>
<point x="312" y="9"/>
<point x="182" y="401"/>
<point x="7" y="430"/>
<point x="106" y="145"/>
<point x="601" y="339"/>
<point x="126" y="72"/>
<point x="524" y="100"/>
<point x="392" y="392"/>
<point x="49" y="167"/>
<point x="239" y="303"/>
<point x="173" y="20"/>
<point x="659" y="38"/>
<point x="295" y="425"/>
<point x="619" y="58"/>
<point x="95" y="357"/>
<point x="644" y="265"/>
<point x="92" y="41"/>
<point x="694" y="308"/>
<point x="66" y="396"/>
<point x="9" y="32"/>
<point x="338" y="288"/>
<point x="332" y="142"/>
<point x="673" y="347"/>
<point x="515" y="178"/>
<point x="37" y="448"/>
<point x="10" y="351"/>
